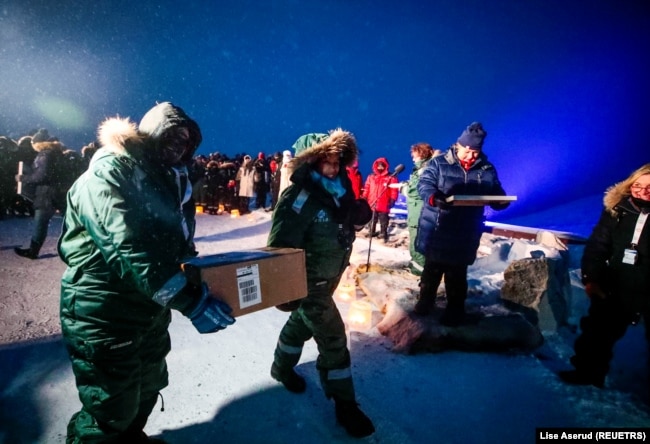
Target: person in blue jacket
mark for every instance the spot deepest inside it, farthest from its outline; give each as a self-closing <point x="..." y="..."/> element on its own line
<point x="448" y="235"/>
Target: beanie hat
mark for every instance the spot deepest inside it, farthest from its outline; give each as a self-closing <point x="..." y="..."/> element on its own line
<point x="473" y="136"/>
<point x="42" y="135"/>
<point x="308" y="140"/>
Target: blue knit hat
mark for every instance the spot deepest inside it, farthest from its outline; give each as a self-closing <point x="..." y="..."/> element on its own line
<point x="473" y="136"/>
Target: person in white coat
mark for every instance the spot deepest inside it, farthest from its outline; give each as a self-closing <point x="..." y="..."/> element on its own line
<point x="285" y="171"/>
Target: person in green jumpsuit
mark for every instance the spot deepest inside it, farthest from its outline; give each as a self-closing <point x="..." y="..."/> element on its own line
<point x="421" y="153"/>
<point x="319" y="213"/>
<point x="129" y="225"/>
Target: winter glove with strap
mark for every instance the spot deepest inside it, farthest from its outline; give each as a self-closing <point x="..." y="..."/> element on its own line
<point x="209" y="315"/>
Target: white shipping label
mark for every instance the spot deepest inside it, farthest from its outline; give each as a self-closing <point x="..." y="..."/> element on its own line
<point x="248" y="283"/>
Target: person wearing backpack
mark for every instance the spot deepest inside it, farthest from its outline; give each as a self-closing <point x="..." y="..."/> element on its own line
<point x="48" y="195"/>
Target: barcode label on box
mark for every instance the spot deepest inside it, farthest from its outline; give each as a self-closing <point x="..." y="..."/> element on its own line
<point x="248" y="284"/>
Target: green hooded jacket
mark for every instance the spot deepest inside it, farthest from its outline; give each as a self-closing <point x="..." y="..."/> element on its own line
<point x="413" y="200"/>
<point x="308" y="217"/>
<point x="125" y="233"/>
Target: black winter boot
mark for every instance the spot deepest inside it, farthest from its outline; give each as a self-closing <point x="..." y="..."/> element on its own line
<point x="577" y="377"/>
<point x="452" y="316"/>
<point x="291" y="380"/>
<point x="29" y="253"/>
<point x="353" y="420"/>
<point x="426" y="302"/>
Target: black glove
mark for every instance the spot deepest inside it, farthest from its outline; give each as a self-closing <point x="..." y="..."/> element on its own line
<point x="361" y="213"/>
<point x="500" y="206"/>
<point x="439" y="200"/>
<point x="210" y="314"/>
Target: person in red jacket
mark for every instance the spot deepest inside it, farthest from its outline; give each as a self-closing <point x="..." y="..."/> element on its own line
<point x="380" y="196"/>
<point x="355" y="178"/>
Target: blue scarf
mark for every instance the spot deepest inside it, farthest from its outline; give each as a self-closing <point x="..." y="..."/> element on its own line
<point x="332" y="186"/>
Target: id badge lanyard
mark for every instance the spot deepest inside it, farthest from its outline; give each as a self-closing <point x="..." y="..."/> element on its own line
<point x="640" y="222"/>
<point x="630" y="254"/>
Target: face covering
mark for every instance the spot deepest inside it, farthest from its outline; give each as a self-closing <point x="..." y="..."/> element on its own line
<point x="645" y="204"/>
<point x="467" y="164"/>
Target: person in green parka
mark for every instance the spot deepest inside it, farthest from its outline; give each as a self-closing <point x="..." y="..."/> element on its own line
<point x="319" y="213"/>
<point x="129" y="225"/>
<point x="421" y="153"/>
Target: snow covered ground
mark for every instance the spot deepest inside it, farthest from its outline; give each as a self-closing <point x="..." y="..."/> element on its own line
<point x="220" y="389"/>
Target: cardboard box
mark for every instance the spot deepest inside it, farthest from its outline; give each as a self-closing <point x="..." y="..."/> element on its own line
<point x="251" y="280"/>
<point x="478" y="201"/>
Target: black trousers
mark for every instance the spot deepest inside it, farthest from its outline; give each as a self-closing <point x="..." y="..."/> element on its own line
<point x="455" y="283"/>
<point x="382" y="218"/>
<point x="605" y="323"/>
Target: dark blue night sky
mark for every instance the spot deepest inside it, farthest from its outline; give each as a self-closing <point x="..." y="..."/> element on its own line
<point x="562" y="87"/>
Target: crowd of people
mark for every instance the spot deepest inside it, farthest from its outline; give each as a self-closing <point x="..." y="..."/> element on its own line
<point x="145" y="184"/>
<point x="38" y="169"/>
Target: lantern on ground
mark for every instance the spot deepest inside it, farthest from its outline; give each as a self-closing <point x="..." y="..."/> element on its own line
<point x="345" y="292"/>
<point x="360" y="316"/>
<point x="234" y="213"/>
<point x="199" y="209"/>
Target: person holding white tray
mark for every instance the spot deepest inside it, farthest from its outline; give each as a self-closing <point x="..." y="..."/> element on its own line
<point x="449" y="234"/>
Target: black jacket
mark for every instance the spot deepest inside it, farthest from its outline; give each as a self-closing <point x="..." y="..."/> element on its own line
<point x="602" y="260"/>
<point x="49" y="192"/>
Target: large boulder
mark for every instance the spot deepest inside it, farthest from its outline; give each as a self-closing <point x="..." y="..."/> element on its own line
<point x="540" y="289"/>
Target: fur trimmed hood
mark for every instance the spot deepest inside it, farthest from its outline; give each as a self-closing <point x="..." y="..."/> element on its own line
<point x="117" y="135"/>
<point x="613" y="195"/>
<point x="621" y="191"/>
<point x="121" y="136"/>
<point x="338" y="141"/>
<point x="44" y="146"/>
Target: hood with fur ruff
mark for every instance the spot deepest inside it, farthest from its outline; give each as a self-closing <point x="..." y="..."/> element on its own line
<point x="119" y="135"/>
<point x="614" y="195"/>
<point x="48" y="145"/>
<point x="338" y="142"/>
<point x="621" y="190"/>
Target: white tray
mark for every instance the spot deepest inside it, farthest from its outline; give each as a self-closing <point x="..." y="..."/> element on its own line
<point x="477" y="200"/>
